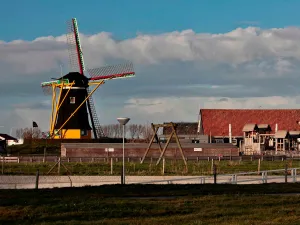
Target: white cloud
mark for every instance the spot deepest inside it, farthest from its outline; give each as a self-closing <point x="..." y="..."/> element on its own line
<point x="177" y="72"/>
<point x="237" y="46"/>
<point x="187" y="109"/>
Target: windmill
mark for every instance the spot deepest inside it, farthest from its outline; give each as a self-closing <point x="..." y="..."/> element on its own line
<point x="73" y="111"/>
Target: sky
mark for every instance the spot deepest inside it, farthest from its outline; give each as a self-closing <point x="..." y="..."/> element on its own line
<point x="187" y="55"/>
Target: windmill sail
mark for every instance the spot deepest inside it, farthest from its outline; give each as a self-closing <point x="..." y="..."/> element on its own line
<point x="112" y="72"/>
<point x="77" y="65"/>
<point x="74" y="48"/>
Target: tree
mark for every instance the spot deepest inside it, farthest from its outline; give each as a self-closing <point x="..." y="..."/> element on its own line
<point x="29" y="133"/>
<point x="140" y="130"/>
<point x="108" y="130"/>
<point x="133" y="129"/>
<point x="147" y="132"/>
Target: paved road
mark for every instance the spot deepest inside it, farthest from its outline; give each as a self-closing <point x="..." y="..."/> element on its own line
<point x="21" y="182"/>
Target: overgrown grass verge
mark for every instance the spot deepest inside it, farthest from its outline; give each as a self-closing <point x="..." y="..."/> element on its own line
<point x="172" y="167"/>
<point x="116" y="204"/>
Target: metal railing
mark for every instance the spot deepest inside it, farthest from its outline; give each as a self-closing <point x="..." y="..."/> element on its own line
<point x="287" y="175"/>
<point x="238" y="178"/>
<point x="52" y="158"/>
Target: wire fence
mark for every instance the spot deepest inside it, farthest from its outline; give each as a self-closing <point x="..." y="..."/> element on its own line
<point x="133" y="166"/>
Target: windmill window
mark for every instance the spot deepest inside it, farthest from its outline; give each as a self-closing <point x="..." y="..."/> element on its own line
<point x="72" y="100"/>
<point x="83" y="132"/>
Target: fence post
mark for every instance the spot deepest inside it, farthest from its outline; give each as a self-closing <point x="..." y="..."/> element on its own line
<point x="258" y="167"/>
<point x="163" y="166"/>
<point x="215" y="174"/>
<point x="37" y="179"/>
<point x="264" y="177"/>
<point x="234" y="179"/>
<point x="44" y="158"/>
<point x="58" y="166"/>
<point x="294" y="174"/>
<point x="2" y="164"/>
<point x="122" y="180"/>
<point x="111" y="166"/>
<point x="285" y="173"/>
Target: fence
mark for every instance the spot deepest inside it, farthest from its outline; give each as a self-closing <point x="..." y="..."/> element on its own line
<point x="133" y="166"/>
<point x="275" y="176"/>
<point x="263" y="177"/>
<point x="53" y="158"/>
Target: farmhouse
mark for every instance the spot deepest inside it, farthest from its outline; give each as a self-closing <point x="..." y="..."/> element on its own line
<point x="254" y="130"/>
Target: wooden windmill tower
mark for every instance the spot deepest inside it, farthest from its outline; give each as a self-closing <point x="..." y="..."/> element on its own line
<point x="73" y="112"/>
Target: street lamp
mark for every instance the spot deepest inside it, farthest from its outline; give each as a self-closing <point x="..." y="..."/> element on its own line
<point x="123" y="121"/>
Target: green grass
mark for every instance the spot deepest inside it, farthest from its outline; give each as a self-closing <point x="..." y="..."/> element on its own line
<point x="141" y="204"/>
<point x="172" y="167"/>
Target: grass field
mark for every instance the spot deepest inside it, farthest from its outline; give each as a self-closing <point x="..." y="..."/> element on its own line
<point x="153" y="204"/>
<point x="134" y="168"/>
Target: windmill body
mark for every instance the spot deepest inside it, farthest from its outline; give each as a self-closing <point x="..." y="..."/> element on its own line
<point x="73" y="112"/>
<point x="78" y="126"/>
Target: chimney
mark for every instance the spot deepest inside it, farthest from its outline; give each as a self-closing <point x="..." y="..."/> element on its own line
<point x="230" y="135"/>
<point x="276" y="127"/>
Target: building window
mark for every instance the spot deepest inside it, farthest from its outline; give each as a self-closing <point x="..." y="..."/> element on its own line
<point x="83" y="132"/>
<point x="72" y="100"/>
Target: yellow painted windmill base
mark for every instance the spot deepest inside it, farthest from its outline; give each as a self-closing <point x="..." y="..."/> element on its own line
<point x="73" y="134"/>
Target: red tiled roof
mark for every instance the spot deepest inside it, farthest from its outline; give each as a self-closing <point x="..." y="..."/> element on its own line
<point x="217" y="121"/>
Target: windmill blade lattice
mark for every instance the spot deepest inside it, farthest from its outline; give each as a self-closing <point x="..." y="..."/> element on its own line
<point x="112" y="72"/>
<point x="47" y="90"/>
<point x="73" y="47"/>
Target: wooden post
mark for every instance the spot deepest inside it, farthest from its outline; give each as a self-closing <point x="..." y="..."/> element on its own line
<point x="215" y="173"/>
<point x="155" y="129"/>
<point x="122" y="180"/>
<point x="37" y="179"/>
<point x="44" y="159"/>
<point x="285" y="173"/>
<point x="163" y="166"/>
<point x="58" y="166"/>
<point x="2" y="164"/>
<point x="258" y="167"/>
<point x="212" y="165"/>
<point x="111" y="166"/>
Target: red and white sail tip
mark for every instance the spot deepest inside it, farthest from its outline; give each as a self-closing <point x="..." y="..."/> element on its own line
<point x="112" y="72"/>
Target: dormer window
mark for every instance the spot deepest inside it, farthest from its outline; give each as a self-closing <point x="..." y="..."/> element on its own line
<point x="72" y="100"/>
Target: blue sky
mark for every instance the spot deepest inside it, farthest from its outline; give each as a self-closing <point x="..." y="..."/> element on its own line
<point x="176" y="73"/>
<point x="124" y="18"/>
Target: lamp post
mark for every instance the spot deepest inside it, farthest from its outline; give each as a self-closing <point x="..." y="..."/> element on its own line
<point x="123" y="121"/>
